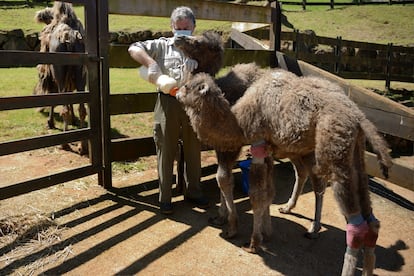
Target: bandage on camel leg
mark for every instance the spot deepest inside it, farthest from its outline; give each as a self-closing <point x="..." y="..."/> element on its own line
<point x="261" y="193"/>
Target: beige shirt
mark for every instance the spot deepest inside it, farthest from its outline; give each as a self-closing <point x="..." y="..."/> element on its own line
<point x="170" y="59"/>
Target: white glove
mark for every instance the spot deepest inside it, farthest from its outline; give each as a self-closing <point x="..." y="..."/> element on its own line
<point x="166" y="84"/>
<point x="154" y="72"/>
<point x="190" y="65"/>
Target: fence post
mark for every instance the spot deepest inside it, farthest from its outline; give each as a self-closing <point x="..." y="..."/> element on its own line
<point x="338" y="54"/>
<point x="296" y="44"/>
<point x="388" y="68"/>
<point x="304" y="4"/>
<point x="275" y="32"/>
<point x="332" y="4"/>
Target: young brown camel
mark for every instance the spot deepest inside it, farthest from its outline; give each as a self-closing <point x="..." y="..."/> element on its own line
<point x="307" y="120"/>
<point x="63" y="33"/>
<point x="207" y="49"/>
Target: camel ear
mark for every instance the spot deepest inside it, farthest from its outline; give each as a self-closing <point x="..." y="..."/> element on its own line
<point x="203" y="88"/>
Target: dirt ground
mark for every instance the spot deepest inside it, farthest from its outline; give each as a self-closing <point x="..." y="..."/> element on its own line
<point x="81" y="228"/>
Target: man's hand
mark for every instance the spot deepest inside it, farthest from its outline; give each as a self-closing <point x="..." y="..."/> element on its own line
<point x="154" y="72"/>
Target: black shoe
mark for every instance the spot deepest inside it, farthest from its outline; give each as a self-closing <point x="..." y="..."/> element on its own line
<point x="166" y="208"/>
<point x="201" y="202"/>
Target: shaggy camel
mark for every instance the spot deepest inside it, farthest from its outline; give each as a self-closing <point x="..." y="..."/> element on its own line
<point x="63" y="33"/>
<point x="307" y="120"/>
<point x="208" y="51"/>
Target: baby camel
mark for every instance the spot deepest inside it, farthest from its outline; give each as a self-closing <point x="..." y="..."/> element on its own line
<point x="208" y="50"/>
<point x="308" y="120"/>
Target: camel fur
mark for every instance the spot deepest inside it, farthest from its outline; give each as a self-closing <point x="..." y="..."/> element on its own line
<point x="234" y="84"/>
<point x="63" y="33"/>
<point x="306" y="119"/>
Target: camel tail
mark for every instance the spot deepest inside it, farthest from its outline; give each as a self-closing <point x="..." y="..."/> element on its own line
<point x="378" y="144"/>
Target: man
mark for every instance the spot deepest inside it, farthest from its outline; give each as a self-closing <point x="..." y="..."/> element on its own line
<point x="166" y="66"/>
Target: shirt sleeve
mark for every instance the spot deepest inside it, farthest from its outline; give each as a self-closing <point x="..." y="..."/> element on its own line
<point x="155" y="48"/>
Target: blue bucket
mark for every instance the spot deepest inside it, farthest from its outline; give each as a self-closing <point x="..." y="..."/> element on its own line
<point x="245" y="168"/>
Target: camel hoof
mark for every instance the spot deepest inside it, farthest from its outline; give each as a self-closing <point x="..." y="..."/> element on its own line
<point x="312" y="235"/>
<point x="83" y="148"/>
<point x="51" y="125"/>
<point x="250" y="249"/>
<point x="284" y="210"/>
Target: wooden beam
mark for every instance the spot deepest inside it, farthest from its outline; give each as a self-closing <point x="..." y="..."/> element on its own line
<point x="30" y="58"/>
<point x="9" y="103"/>
<point x="389" y="117"/>
<point x="210" y="10"/>
<point x="44" y="141"/>
<point x="132" y="103"/>
<point x="119" y="57"/>
<point x="246" y="41"/>
<point x="136" y="147"/>
<point x="46" y="181"/>
<point x="401" y="173"/>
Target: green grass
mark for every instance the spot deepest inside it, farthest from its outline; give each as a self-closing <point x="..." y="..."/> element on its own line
<point x="371" y="23"/>
<point x="24" y="123"/>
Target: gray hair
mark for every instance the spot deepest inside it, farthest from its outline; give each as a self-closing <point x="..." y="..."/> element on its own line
<point x="182" y="13"/>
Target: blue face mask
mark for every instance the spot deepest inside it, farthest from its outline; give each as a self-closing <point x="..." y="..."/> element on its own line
<point x="182" y="33"/>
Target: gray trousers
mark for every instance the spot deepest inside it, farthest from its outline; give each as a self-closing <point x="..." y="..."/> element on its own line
<point x="171" y="123"/>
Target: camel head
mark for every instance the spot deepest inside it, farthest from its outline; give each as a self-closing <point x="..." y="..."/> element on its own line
<point x="210" y="114"/>
<point x="207" y="49"/>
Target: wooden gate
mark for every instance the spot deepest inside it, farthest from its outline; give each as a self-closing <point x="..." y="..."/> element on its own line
<point x="94" y="23"/>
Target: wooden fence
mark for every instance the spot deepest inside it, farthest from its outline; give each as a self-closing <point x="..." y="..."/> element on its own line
<point x="345" y="58"/>
<point x="93" y="133"/>
<point x="333" y="3"/>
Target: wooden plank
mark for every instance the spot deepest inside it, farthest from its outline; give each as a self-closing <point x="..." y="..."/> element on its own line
<point x="132" y="103"/>
<point x="119" y="57"/>
<point x="235" y="56"/>
<point x="46" y="181"/>
<point x="9" y="103"/>
<point x="210" y="10"/>
<point x="31" y="58"/>
<point x="400" y="173"/>
<point x="389" y="122"/>
<point x="400" y="119"/>
<point x="44" y="141"/>
<point x="246" y="41"/>
<point x="131" y="148"/>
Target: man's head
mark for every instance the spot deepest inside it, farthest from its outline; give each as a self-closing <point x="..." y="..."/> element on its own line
<point x="183" y="21"/>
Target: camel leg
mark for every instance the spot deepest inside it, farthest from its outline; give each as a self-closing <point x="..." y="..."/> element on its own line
<point x="225" y="181"/>
<point x="51" y="121"/>
<point x="366" y="209"/>
<point x="301" y="175"/>
<point x="336" y="166"/>
<point x="80" y="86"/>
<point x="83" y="147"/>
<point x="261" y="193"/>
<point x="319" y="191"/>
<point x="66" y="116"/>
<point x="267" y="219"/>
